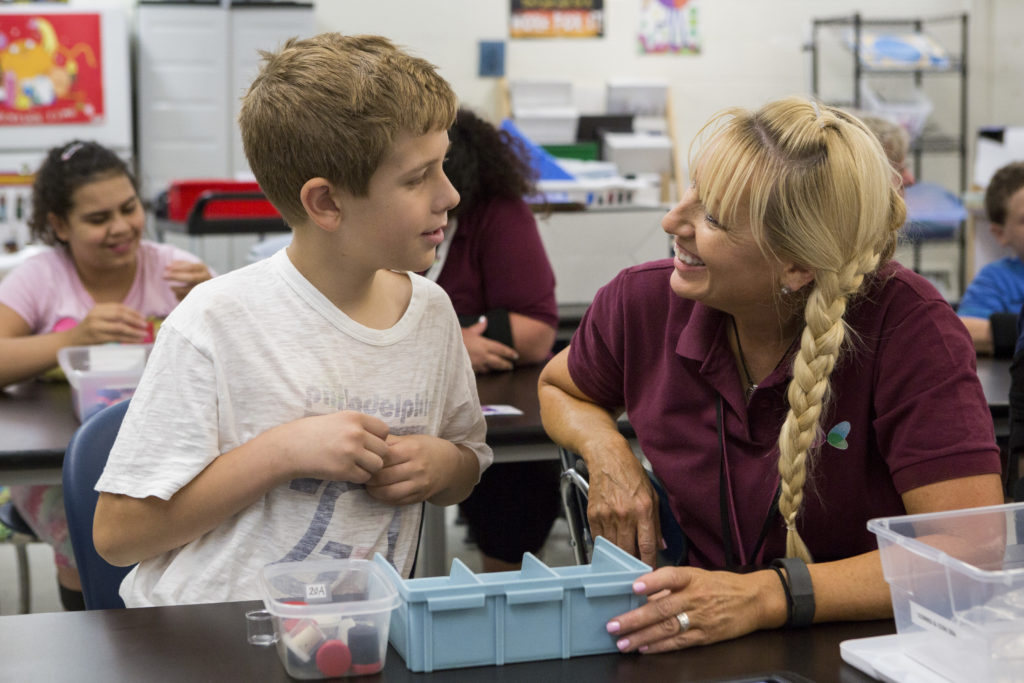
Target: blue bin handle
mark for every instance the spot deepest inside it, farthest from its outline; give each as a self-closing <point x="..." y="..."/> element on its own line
<point x="601" y="590"/>
<point x="454" y="602"/>
<point x="531" y="595"/>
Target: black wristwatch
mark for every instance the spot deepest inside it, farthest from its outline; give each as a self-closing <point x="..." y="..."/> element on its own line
<point x="801" y="591"/>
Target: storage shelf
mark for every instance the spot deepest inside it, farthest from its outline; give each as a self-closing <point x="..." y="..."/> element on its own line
<point x="932" y="140"/>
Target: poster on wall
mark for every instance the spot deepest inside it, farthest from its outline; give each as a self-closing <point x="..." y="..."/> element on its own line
<point x="556" y="19"/>
<point x="51" y="68"/>
<point x="669" y="27"/>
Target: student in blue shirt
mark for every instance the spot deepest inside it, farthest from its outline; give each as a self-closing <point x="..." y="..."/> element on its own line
<point x="990" y="304"/>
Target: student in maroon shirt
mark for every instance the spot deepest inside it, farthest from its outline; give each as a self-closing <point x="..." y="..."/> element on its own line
<point x="495" y="270"/>
<point x="787" y="382"/>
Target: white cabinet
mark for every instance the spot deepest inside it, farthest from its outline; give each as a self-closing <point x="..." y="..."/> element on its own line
<point x="193" y="63"/>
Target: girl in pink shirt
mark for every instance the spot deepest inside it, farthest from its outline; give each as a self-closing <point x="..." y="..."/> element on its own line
<point x="101" y="282"/>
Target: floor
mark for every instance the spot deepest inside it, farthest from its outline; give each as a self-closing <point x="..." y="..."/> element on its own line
<point x="45" y="598"/>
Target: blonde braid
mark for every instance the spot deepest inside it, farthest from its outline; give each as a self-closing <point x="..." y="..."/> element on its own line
<point x="809" y="391"/>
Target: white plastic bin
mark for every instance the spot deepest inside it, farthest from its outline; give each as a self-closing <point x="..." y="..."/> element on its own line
<point x="957" y="584"/>
<point x="102" y="375"/>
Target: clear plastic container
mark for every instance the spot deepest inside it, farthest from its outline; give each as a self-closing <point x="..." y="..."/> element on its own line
<point x="331" y="617"/>
<point x="102" y="375"/>
<point x="957" y="584"/>
<point x="909" y="107"/>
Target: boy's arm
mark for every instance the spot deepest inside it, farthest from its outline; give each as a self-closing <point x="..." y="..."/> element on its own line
<point x="343" y="446"/>
<point x="981" y="334"/>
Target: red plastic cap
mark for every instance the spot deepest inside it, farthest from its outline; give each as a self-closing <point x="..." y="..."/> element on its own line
<point x="333" y="658"/>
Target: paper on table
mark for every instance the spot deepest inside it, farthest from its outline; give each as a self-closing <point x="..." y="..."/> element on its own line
<point x="500" y="409"/>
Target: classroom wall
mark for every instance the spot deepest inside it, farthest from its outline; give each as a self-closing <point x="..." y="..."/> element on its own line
<point x="752" y="51"/>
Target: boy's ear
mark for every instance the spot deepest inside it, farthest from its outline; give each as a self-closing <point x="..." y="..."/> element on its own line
<point x="322" y="207"/>
<point x="999" y="232"/>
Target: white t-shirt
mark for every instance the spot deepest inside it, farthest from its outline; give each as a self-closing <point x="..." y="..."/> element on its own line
<point x="253" y="349"/>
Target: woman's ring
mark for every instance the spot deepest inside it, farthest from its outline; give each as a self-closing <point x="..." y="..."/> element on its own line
<point x="684" y="622"/>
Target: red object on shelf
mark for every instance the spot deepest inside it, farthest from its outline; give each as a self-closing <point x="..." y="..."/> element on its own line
<point x="183" y="194"/>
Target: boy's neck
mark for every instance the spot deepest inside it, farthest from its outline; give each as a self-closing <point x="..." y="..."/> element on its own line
<point x="374" y="298"/>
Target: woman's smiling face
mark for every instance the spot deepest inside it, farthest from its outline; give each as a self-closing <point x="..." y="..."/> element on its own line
<point x="717" y="264"/>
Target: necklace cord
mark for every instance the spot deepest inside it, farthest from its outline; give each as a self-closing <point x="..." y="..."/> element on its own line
<point x="751" y="387"/>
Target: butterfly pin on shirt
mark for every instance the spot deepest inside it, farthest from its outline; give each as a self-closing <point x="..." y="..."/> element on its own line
<point x="837" y="436"/>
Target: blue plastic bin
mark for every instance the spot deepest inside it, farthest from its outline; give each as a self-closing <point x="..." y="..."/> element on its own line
<point x="539" y="612"/>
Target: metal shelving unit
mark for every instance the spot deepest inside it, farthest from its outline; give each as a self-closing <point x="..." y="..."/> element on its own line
<point x="932" y="139"/>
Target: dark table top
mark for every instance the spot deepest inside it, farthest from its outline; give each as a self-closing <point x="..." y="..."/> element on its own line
<point x="36" y="418"/>
<point x="208" y="643"/>
<point x="36" y="423"/>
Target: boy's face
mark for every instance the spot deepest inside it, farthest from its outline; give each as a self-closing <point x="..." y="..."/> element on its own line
<point x="1011" y="233"/>
<point x="399" y="223"/>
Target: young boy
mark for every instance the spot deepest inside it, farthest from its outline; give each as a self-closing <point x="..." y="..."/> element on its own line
<point x="306" y="405"/>
<point x="989" y="306"/>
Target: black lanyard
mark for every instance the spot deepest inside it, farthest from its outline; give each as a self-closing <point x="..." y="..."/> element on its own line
<point x="724" y="495"/>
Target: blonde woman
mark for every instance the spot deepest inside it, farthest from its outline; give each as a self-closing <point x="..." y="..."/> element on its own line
<point x="786" y="380"/>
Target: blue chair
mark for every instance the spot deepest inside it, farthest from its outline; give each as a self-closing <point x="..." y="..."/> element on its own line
<point x="84" y="460"/>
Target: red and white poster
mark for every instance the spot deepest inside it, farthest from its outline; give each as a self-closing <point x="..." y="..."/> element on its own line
<point x="52" y="69"/>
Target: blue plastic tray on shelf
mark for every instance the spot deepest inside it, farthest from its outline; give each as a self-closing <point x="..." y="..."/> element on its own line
<point x="538" y="612"/>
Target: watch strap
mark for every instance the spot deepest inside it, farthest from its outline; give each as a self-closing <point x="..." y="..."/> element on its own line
<point x="801" y="590"/>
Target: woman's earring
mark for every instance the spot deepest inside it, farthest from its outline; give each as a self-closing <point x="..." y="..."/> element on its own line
<point x="786" y="290"/>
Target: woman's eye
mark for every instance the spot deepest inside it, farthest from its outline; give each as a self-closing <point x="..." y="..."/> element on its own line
<point x="711" y="220"/>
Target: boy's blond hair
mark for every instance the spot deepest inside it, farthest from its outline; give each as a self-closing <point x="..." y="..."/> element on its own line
<point x="330" y="107"/>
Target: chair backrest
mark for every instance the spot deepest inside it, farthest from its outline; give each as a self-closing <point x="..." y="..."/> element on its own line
<point x="575" y="490"/>
<point x="84" y="460"/>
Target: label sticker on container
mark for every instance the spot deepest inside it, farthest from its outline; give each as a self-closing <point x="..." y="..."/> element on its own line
<point x="317" y="592"/>
<point x="116" y="358"/>
<point x="927" y="619"/>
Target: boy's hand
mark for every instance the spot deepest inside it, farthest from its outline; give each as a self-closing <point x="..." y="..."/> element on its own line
<point x="415" y="468"/>
<point x="184" y="275"/>
<point x="110" y="322"/>
<point x="341" y="446"/>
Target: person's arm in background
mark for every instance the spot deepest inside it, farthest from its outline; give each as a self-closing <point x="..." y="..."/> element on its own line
<point x="983" y="311"/>
<point x="26" y="355"/>
<point x="518" y="277"/>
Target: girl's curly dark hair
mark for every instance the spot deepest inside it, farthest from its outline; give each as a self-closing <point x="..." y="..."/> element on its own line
<point x="65" y="169"/>
<point x="485" y="162"/>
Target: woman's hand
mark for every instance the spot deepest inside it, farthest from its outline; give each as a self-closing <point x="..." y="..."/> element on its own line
<point x="184" y="275"/>
<point x="622" y="505"/>
<point x="718" y="605"/>
<point x="485" y="354"/>
<point x="110" y="322"/>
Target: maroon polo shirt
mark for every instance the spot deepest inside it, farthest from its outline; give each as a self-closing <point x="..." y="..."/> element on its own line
<point x="908" y="410"/>
<point x="497" y="260"/>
